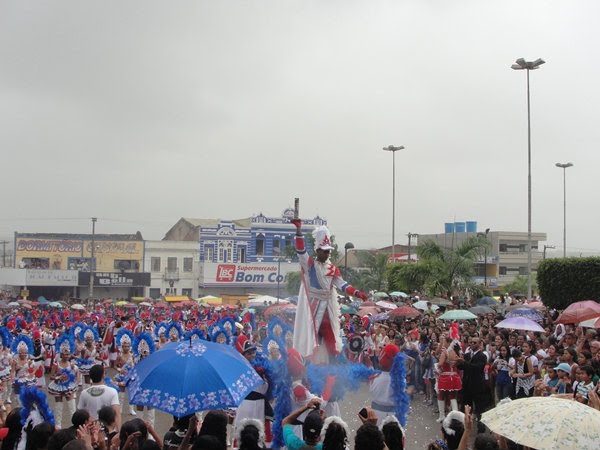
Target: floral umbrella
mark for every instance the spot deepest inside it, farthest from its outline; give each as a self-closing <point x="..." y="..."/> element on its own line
<point x="546" y="423"/>
<point x="528" y="313"/>
<point x="168" y="379"/>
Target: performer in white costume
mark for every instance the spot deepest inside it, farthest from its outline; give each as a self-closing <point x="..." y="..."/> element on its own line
<point x="317" y="326"/>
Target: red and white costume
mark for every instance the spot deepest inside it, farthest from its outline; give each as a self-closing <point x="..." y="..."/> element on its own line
<point x="317" y="316"/>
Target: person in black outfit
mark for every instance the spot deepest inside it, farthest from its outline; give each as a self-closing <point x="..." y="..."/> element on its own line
<point x="475" y="392"/>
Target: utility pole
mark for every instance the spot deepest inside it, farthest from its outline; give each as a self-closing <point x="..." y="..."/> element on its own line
<point x="92" y="261"/>
<point x="3" y="252"/>
<point x="547" y="246"/>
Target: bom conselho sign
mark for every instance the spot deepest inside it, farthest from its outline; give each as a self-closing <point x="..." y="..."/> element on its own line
<point x="246" y="274"/>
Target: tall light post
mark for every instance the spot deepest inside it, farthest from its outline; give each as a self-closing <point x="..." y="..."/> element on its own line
<point x="347" y="246"/>
<point x="92" y="262"/>
<point x="521" y="64"/>
<point x="564" y="167"/>
<point x="391" y="148"/>
<point x="485" y="235"/>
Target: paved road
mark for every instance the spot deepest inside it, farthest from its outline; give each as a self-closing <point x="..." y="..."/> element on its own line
<point x="421" y="430"/>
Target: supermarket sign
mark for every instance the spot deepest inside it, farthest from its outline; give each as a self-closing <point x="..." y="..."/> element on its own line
<point x="246" y="274"/>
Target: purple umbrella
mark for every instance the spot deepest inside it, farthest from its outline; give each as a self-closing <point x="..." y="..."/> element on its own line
<point x="520" y="323"/>
<point x="528" y="313"/>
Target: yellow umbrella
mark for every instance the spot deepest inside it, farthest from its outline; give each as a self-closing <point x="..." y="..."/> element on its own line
<point x="214" y="301"/>
<point x="121" y="303"/>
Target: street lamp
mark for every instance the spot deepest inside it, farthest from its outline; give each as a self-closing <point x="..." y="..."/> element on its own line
<point x="92" y="265"/>
<point x="485" y="235"/>
<point x="410" y="236"/>
<point x="521" y="64"/>
<point x="391" y="148"/>
<point x="564" y="167"/>
<point x="347" y="246"/>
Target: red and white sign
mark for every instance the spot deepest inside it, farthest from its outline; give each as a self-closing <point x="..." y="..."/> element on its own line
<point x="246" y="274"/>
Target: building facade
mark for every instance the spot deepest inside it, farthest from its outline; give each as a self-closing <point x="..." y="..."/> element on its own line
<point x="60" y="265"/>
<point x="173" y="267"/>
<point x="251" y="255"/>
<point x="506" y="257"/>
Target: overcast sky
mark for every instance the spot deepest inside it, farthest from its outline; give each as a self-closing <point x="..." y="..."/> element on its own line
<point x="142" y="112"/>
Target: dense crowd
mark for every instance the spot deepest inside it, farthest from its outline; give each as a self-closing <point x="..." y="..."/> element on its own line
<point x="467" y="365"/>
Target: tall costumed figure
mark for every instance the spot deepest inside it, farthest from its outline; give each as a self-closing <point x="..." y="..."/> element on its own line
<point x="317" y="326"/>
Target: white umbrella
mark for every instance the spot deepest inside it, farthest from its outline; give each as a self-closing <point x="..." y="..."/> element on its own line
<point x="546" y="423"/>
<point x="265" y="299"/>
<point x="13" y="304"/>
<point x="77" y="306"/>
<point x="422" y="305"/>
<point x="386" y="305"/>
<point x="145" y="304"/>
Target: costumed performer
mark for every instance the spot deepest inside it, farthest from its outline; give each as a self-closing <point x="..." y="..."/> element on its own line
<point x="317" y="325"/>
<point x="449" y="382"/>
<point x="5" y="365"/>
<point x="63" y="378"/>
<point x="142" y="347"/>
<point x="22" y="368"/>
<point x="124" y="363"/>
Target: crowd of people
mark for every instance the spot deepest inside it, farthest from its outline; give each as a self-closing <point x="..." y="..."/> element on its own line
<point x="454" y="366"/>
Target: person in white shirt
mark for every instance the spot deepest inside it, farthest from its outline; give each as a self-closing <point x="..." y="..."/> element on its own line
<point x="99" y="395"/>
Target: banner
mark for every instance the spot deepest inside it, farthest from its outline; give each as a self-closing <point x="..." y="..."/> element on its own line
<point x="246" y="274"/>
<point x="115" y="279"/>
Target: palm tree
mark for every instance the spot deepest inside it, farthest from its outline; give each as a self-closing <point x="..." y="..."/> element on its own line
<point x="450" y="270"/>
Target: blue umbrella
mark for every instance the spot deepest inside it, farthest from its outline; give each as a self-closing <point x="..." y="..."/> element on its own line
<point x="528" y="313"/>
<point x="185" y="377"/>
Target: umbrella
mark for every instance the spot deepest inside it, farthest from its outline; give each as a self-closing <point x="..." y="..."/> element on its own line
<point x="169" y="378"/>
<point x="579" y="311"/>
<point x="480" y="310"/>
<point x="422" y="305"/>
<point x="278" y="309"/>
<point x="161" y="305"/>
<point x="405" y="311"/>
<point x="367" y="304"/>
<point x="591" y="323"/>
<point x="440" y="301"/>
<point x="13" y="304"/>
<point x="381" y="316"/>
<point x="54" y="304"/>
<point x="380" y="295"/>
<point x="145" y="304"/>
<point x="458" y="314"/>
<point x="520" y="323"/>
<point x="486" y="301"/>
<point x="386" y="305"/>
<point x="528" y="313"/>
<point x="77" y="306"/>
<point x="347" y="309"/>
<point x="43" y="300"/>
<point x="546" y="423"/>
<point x="368" y="310"/>
<point x="535" y="305"/>
<point x="398" y="294"/>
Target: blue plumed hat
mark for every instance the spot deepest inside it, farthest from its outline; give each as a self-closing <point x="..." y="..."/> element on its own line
<point x="143" y="344"/>
<point x="22" y="341"/>
<point x="66" y="340"/>
<point x="124" y="336"/>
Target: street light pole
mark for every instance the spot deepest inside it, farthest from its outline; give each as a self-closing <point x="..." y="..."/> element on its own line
<point x="564" y="167"/>
<point x="347" y="246"/>
<point x="391" y="148"/>
<point x="521" y="64"/>
<point x="485" y="235"/>
<point x="92" y="265"/>
<point x="547" y="247"/>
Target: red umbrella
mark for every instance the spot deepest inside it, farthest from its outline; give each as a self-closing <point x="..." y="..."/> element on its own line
<point x="364" y="310"/>
<point x="579" y="311"/>
<point x="160" y="305"/>
<point x="535" y="305"/>
<point x="367" y="304"/>
<point x="405" y="311"/>
<point x="277" y="309"/>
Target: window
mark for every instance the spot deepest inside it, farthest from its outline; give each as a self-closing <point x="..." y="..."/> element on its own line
<point x="154" y="292"/>
<point x="187" y="292"/>
<point x="260" y="244"/>
<point x="502" y="270"/>
<point x="276" y="249"/>
<point x="522" y="270"/>
<point x="171" y="291"/>
<point x="503" y="247"/>
<point x="209" y="254"/>
<point x="155" y="264"/>
<point x="188" y="264"/>
<point x="126" y="265"/>
<point x="171" y="263"/>
<point x="242" y="254"/>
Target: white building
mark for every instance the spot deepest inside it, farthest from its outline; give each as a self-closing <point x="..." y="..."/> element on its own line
<point x="506" y="256"/>
<point x="174" y="268"/>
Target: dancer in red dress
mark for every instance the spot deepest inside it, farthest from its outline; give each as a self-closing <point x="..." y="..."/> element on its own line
<point x="449" y="381"/>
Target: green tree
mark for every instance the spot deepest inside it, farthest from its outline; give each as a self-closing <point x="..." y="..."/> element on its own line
<point x="567" y="280"/>
<point x="519" y="286"/>
<point x="440" y="270"/>
<point x="292" y="280"/>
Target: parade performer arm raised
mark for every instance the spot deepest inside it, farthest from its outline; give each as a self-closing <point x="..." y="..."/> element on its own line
<point x="317" y="326"/>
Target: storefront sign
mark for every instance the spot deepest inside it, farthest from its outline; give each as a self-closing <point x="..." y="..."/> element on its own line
<point x="40" y="277"/>
<point x="115" y="279"/>
<point x="246" y="275"/>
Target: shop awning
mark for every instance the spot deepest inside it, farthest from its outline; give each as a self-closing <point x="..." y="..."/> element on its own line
<point x="176" y="298"/>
